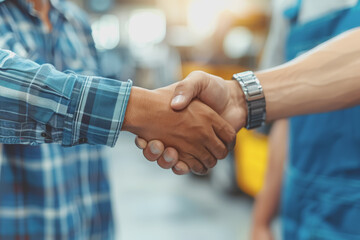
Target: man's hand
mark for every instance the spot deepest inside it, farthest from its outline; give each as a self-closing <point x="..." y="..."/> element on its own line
<point x="225" y="97"/>
<point x="199" y="135"/>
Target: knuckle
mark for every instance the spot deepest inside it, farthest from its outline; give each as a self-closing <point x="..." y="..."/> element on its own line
<point x="232" y="135"/>
<point x="224" y="153"/>
<point x="203" y="172"/>
<point x="200" y="171"/>
<point x="198" y="168"/>
<point x="204" y="135"/>
<point x="221" y="150"/>
<point x="208" y="160"/>
<point x="212" y="163"/>
<point x="197" y="73"/>
<point x="180" y="85"/>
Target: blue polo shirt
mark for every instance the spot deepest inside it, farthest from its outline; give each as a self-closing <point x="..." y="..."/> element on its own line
<point x="321" y="195"/>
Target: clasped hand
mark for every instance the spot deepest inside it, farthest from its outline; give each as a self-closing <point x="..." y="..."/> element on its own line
<point x="206" y="112"/>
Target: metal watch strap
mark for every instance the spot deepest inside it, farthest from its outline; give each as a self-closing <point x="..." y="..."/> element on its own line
<point x="255" y="98"/>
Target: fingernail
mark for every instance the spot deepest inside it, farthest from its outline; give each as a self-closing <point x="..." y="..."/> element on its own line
<point x="140" y="144"/>
<point x="154" y="149"/>
<point x="168" y="158"/>
<point x="178" y="168"/>
<point x="178" y="99"/>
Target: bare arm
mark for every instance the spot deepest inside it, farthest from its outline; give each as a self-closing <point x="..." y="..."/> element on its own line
<point x="324" y="79"/>
<point x="267" y="201"/>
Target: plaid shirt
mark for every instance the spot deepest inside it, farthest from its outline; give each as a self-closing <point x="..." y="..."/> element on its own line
<point x="50" y="188"/>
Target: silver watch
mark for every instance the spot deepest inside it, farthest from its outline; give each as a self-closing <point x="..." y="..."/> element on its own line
<point x="255" y="98"/>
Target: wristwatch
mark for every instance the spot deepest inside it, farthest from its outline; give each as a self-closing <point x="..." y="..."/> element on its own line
<point x="255" y="98"/>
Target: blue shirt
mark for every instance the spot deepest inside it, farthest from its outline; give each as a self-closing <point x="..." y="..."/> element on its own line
<point x="321" y="196"/>
<point x="50" y="188"/>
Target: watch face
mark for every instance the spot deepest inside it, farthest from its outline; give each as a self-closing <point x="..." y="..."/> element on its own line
<point x="100" y="5"/>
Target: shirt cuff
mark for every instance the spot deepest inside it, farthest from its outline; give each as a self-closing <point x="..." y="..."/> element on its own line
<point x="96" y="111"/>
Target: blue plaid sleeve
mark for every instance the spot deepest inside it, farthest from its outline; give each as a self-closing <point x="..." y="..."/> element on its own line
<point x="39" y="104"/>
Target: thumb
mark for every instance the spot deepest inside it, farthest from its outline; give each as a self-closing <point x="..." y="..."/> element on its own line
<point x="183" y="95"/>
<point x="186" y="90"/>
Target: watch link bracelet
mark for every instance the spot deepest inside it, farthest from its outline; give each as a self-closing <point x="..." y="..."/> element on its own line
<point x="255" y="99"/>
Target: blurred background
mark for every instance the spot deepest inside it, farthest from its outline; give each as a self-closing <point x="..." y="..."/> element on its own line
<point x="156" y="43"/>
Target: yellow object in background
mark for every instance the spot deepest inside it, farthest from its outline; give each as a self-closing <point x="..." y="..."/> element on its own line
<point x="250" y="160"/>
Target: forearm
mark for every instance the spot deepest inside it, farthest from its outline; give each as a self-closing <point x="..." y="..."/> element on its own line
<point x="326" y="78"/>
<point x="267" y="201"/>
<point x="39" y="104"/>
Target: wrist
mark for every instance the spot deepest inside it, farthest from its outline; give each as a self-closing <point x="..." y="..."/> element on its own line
<point x="135" y="115"/>
<point x="263" y="213"/>
<point x="267" y="82"/>
<point x="262" y="221"/>
<point x="237" y="102"/>
<point x="145" y="107"/>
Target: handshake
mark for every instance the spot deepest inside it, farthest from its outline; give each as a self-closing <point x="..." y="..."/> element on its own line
<point x="196" y="120"/>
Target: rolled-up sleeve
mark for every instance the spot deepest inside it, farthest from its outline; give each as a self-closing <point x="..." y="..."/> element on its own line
<point x="39" y="104"/>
